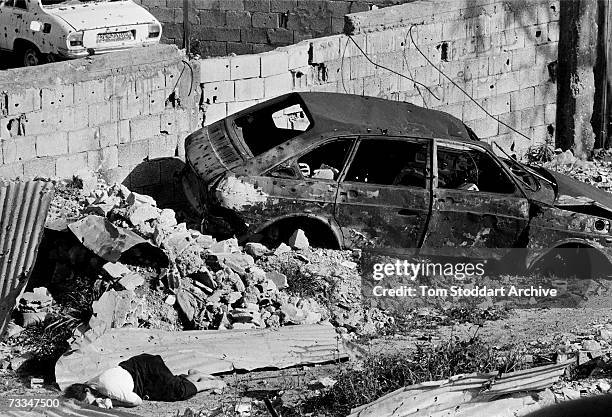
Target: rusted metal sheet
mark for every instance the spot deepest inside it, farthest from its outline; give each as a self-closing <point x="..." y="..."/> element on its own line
<point x="23" y="209"/>
<point x="469" y="395"/>
<point x="209" y="351"/>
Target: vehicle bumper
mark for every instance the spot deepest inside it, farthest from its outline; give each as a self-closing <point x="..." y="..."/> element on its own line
<point x="82" y="53"/>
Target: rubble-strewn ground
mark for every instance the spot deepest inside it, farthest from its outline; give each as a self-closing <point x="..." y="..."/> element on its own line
<point x="197" y="282"/>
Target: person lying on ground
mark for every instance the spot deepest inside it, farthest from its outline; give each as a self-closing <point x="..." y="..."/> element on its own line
<point x="142" y="377"/>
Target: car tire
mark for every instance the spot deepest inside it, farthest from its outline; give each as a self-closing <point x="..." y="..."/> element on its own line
<point x="30" y="56"/>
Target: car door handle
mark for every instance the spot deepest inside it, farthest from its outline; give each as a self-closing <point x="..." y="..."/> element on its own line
<point x="408" y="212"/>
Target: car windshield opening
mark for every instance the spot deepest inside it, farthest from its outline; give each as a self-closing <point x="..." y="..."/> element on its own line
<point x="273" y="125"/>
<point x="56" y="3"/>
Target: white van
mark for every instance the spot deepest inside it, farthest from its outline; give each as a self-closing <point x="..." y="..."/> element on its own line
<point x="41" y="31"/>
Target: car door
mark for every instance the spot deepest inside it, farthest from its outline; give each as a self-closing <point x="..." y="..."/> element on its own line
<point x="384" y="195"/>
<point x="478" y="209"/>
<point x="304" y="185"/>
<point x="15" y="21"/>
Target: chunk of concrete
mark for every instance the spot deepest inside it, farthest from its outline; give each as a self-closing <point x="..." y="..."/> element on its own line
<point x="280" y="280"/>
<point x="115" y="269"/>
<point x="141" y="213"/>
<point x="135" y="198"/>
<point x="131" y="281"/>
<point x="282" y="248"/>
<point x="298" y="240"/>
<point x="256" y="250"/>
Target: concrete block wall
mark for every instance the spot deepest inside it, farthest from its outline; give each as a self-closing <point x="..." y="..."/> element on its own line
<point x="502" y="53"/>
<point x="252" y="26"/>
<point x="113" y="113"/>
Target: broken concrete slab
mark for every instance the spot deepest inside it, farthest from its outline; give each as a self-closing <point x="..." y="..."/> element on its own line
<point x="116" y="309"/>
<point x="210" y="352"/>
<point x="104" y="239"/>
<point x="131" y="281"/>
<point x="280" y="280"/>
<point x="282" y="248"/>
<point x="115" y="269"/>
<point x="256" y="250"/>
<point x="134" y="198"/>
<point x="298" y="240"/>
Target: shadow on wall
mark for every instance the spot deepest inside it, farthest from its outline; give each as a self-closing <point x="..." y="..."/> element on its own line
<point x="161" y="179"/>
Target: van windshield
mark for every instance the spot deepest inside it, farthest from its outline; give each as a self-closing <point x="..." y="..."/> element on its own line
<point x="59" y="3"/>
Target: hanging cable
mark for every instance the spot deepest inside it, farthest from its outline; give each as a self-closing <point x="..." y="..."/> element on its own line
<point x="461" y="89"/>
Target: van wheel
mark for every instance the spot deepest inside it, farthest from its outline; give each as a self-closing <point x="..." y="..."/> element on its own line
<point x="30" y="56"/>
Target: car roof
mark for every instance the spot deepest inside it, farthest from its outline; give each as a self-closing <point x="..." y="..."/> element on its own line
<point x="353" y="114"/>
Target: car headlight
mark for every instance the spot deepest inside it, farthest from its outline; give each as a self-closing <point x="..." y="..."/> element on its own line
<point x="154" y="30"/>
<point x="75" y="39"/>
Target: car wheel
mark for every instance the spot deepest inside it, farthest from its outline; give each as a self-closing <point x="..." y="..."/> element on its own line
<point x="30" y="56"/>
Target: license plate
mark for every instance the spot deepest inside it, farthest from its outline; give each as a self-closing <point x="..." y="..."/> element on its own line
<point x="115" y="36"/>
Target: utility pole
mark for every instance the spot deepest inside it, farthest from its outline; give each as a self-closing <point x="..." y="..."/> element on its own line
<point x="186" y="27"/>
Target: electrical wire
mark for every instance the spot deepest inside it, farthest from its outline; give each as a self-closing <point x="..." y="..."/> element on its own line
<point x="342" y="67"/>
<point x="389" y="69"/>
<point x="461" y="89"/>
<point x="410" y="72"/>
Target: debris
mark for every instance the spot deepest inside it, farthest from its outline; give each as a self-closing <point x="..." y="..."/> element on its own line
<point x="256" y="250"/>
<point x="280" y="280"/>
<point x="104" y="239"/>
<point x="115" y="269"/>
<point x="36" y="382"/>
<point x="474" y="394"/>
<point x="131" y="281"/>
<point x="116" y="309"/>
<point x="209" y="352"/>
<point x="13" y="330"/>
<point x="170" y="300"/>
<point x="299" y="240"/>
<point x="282" y="248"/>
<point x="34" y="306"/>
<point x="243" y="408"/>
<point x="603" y="385"/>
<point x="18" y="360"/>
<point x="324" y="382"/>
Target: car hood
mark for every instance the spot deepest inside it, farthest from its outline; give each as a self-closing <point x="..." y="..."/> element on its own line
<point x="101" y="14"/>
<point x="577" y="196"/>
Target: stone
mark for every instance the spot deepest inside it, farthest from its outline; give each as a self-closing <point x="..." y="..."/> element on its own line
<point x="603" y="385"/>
<point x="135" y="198"/>
<point x="177" y="241"/>
<point x="100" y="209"/>
<point x="141" y="213"/>
<point x="298" y="240"/>
<point x="243" y="326"/>
<point x="115" y="269"/>
<point x="206" y="278"/>
<point x="187" y="303"/>
<point x="170" y="300"/>
<point x="280" y="280"/>
<point x="131" y="281"/>
<point x="349" y="264"/>
<point x="282" y="248"/>
<point x="167" y="218"/>
<point x="591" y="345"/>
<point x="13" y="329"/>
<point x="606" y="334"/>
<point x="19" y="360"/>
<point x="86" y="180"/>
<point x="256" y="250"/>
<point x="238" y="262"/>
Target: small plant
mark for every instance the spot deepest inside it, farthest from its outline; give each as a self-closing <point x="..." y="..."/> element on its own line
<point x="542" y="152"/>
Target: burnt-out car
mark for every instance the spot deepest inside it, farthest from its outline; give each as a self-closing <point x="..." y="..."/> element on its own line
<point x="354" y="171"/>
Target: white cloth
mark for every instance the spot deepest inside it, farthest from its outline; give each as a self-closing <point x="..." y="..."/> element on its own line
<point x="117" y="384"/>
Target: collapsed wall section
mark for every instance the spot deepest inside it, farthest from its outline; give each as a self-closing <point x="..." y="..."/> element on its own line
<point x="114" y="113"/>
<point x="501" y="53"/>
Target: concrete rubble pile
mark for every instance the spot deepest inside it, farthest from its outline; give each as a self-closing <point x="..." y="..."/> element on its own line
<point x="597" y="173"/>
<point x="212" y="284"/>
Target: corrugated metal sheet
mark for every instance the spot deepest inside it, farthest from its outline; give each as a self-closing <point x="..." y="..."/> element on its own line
<point x="471" y="395"/>
<point x="23" y="209"/>
<point x="210" y="351"/>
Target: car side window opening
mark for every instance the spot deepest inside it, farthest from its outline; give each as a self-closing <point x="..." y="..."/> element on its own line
<point x="9" y="3"/>
<point x="389" y="162"/>
<point x="326" y="161"/>
<point x="21" y="4"/>
<point x="471" y="170"/>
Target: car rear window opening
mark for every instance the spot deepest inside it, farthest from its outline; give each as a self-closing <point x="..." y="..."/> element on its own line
<point x="266" y="128"/>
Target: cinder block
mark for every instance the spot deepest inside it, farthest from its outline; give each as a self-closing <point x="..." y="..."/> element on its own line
<point x="226" y="34"/>
<point x="508" y="82"/>
<point x="523" y="58"/>
<point x="484" y="128"/>
<point x="19" y="149"/>
<point x="257" y="5"/>
<point x="157" y="101"/>
<point x="533" y="116"/>
<point x="81" y="140"/>
<point x="273" y="63"/>
<point x="39" y="167"/>
<point x="254" y="35"/>
<point x="168" y="123"/>
<point x="67" y="166"/>
<point x="550" y="113"/>
<point x="281" y="36"/>
<point x="218" y="92"/>
<point x="123" y="131"/>
<point x="144" y="128"/>
<point x="239" y="48"/>
<point x="213" y="18"/>
<point x="277" y="85"/>
<point x="282" y="5"/>
<point x="553" y="32"/>
<point x="240" y="105"/>
<point x="109" y="134"/>
<point x="89" y="92"/>
<point x="486" y="87"/>
<point x="498" y="104"/>
<point x="133" y="153"/>
<point x="298" y="55"/>
<point x="214" y="69"/>
<point x="54" y="143"/>
<point x="522" y="99"/>
<point x="325" y="49"/>
<point x="511" y="40"/>
<point x="238" y="18"/>
<point x="214" y="112"/>
<point x="512" y="119"/>
<point x="11" y="171"/>
<point x="265" y="20"/>
<point x="500" y="64"/>
<point x="58" y="96"/>
<point x="99" y="113"/>
<point x="231" y="5"/>
<point x="249" y="89"/>
<point x="246" y="66"/>
<point x="22" y="101"/>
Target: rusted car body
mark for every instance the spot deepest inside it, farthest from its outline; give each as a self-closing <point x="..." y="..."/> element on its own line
<point x="354" y="171"/>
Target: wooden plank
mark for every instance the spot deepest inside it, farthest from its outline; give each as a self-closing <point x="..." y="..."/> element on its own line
<point x="210" y="351"/>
